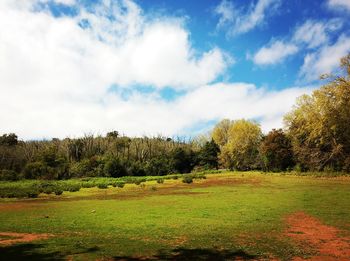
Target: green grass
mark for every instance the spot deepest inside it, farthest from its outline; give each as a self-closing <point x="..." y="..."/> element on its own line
<point x="224" y="215"/>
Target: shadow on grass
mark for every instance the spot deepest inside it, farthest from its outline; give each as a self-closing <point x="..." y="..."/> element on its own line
<point x="184" y="254"/>
<point x="32" y="252"/>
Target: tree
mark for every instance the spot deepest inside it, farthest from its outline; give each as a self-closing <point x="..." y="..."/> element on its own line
<point x="9" y="139"/>
<point x="220" y="132"/>
<point x="182" y="161"/>
<point x="113" y="167"/>
<point x="112" y="134"/>
<point x="276" y="151"/>
<point x="208" y="155"/>
<point x="241" y="150"/>
<point x="319" y="124"/>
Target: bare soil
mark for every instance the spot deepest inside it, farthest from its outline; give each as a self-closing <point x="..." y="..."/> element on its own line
<point x="10" y="238"/>
<point x="327" y="241"/>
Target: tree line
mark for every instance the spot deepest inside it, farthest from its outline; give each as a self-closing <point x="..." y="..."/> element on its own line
<point x="316" y="137"/>
<point x="113" y="155"/>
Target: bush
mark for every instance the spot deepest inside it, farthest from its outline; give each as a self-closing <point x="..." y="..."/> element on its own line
<point x="80" y="169"/>
<point x="160" y="181"/>
<point x="120" y="184"/>
<point x="15" y="192"/>
<point x="35" y="170"/>
<point x="113" y="167"/>
<point x="70" y="187"/>
<point x="102" y="186"/>
<point x="58" y="191"/>
<point x="87" y="184"/>
<point x="158" y="167"/>
<point x="9" y="175"/>
<point x="137" y="169"/>
<point x="187" y="179"/>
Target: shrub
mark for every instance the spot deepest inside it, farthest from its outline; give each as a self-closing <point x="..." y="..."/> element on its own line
<point x="14" y="192"/>
<point x="159" y="166"/>
<point x="35" y="170"/>
<point x="187" y="179"/>
<point x="9" y="175"/>
<point x="114" y="168"/>
<point x="88" y="184"/>
<point x="58" y="191"/>
<point x="102" y="186"/>
<point x="137" y="169"/>
<point x="120" y="184"/>
<point x="80" y="169"/>
<point x="71" y="187"/>
<point x="160" y="181"/>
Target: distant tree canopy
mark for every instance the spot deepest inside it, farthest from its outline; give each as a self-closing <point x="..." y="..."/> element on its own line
<point x="8" y="140"/>
<point x="319" y="125"/>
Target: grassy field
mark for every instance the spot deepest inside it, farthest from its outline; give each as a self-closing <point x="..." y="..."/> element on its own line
<point x="223" y="217"/>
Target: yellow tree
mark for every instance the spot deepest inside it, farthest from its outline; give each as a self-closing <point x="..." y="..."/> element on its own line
<point x="319" y="124"/>
<point x="241" y="150"/>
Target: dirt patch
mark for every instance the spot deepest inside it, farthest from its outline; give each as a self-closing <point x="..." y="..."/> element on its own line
<point x="226" y="182"/>
<point x="17" y="206"/>
<point x="10" y="238"/>
<point x="310" y="233"/>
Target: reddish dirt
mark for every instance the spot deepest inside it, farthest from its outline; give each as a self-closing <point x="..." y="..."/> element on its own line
<point x="224" y="181"/>
<point x="17" y="205"/>
<point x="310" y="233"/>
<point x="10" y="238"/>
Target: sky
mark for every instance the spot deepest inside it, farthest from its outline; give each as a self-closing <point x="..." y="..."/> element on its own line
<point x="161" y="67"/>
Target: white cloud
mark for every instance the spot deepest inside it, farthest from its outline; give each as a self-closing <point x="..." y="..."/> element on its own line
<point x="144" y="114"/>
<point x="325" y="60"/>
<point x="127" y="51"/>
<point x="274" y="53"/>
<point x="339" y="4"/>
<point x="315" y="33"/>
<point x="240" y="22"/>
<point x="55" y="76"/>
<point x="65" y="2"/>
<point x="310" y="35"/>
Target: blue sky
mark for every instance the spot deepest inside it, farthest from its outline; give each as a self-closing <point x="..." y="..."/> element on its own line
<point x="69" y="67"/>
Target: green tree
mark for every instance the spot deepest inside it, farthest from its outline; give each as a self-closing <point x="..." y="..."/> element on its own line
<point x="113" y="167"/>
<point x="319" y="124"/>
<point x="276" y="151"/>
<point x="182" y="161"/>
<point x="208" y="155"/>
<point x="9" y="139"/>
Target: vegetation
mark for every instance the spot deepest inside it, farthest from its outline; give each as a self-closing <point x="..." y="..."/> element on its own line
<point x="276" y="151"/>
<point x="319" y="125"/>
<point x="226" y="215"/>
<point x="32" y="188"/>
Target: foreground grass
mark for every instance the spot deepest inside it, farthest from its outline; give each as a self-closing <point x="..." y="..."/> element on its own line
<point x="225" y="215"/>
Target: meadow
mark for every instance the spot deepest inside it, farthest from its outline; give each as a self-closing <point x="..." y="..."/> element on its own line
<point x="221" y="216"/>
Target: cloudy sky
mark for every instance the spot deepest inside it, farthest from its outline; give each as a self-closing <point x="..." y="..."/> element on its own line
<point x="69" y="67"/>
